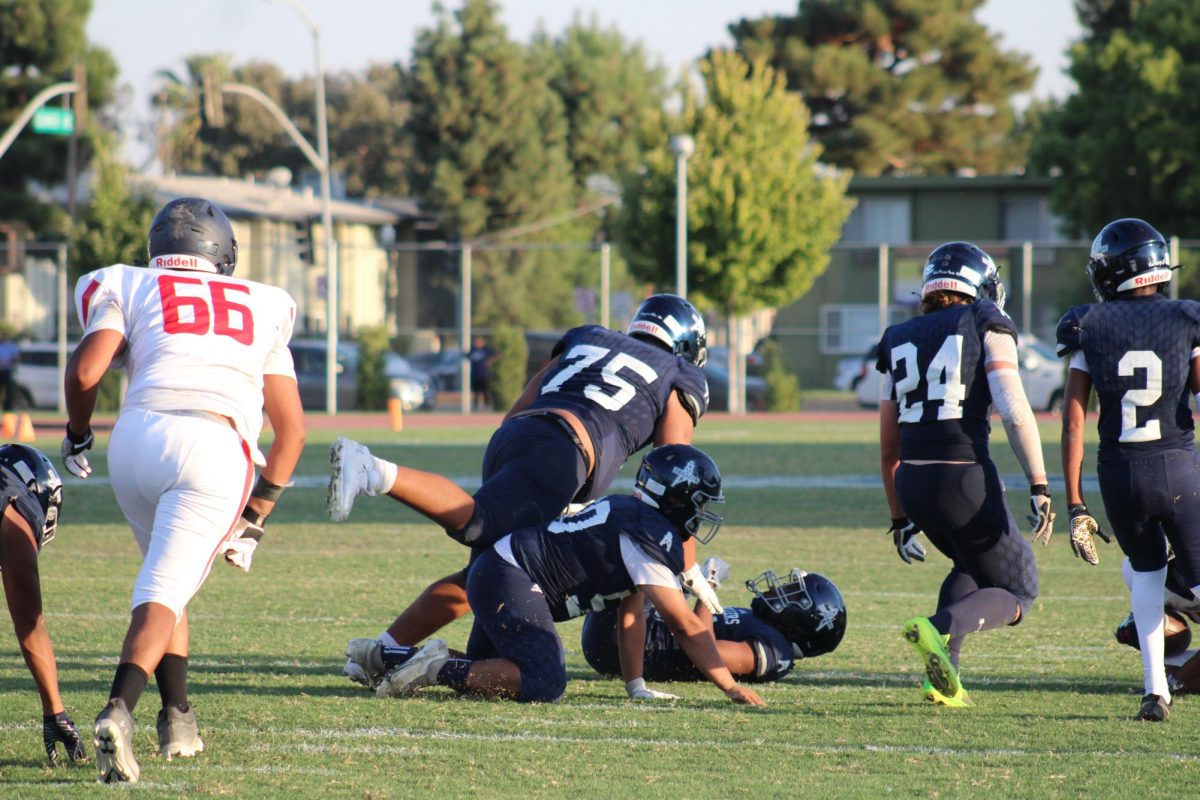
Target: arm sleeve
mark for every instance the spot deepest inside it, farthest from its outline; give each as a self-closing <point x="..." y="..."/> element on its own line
<point x="644" y="570"/>
<point x="1009" y="397"/>
<point x="97" y="306"/>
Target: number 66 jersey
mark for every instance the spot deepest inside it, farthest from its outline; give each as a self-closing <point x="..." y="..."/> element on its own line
<point x="195" y="340"/>
<point x="1138" y="351"/>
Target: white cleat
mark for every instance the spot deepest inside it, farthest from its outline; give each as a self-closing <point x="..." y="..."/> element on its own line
<point x="364" y="662"/>
<point x="178" y="734"/>
<point x="114" y="745"/>
<point x="351" y="465"/>
<point x="419" y="670"/>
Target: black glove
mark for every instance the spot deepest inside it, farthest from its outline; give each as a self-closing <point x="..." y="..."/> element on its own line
<point x="1041" y="518"/>
<point x="73" y="445"/>
<point x="59" y="728"/>
<point x="904" y="535"/>
<point x="1083" y="528"/>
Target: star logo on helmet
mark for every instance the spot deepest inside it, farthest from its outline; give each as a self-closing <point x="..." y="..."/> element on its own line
<point x="686" y="475"/>
<point x="829" y="616"/>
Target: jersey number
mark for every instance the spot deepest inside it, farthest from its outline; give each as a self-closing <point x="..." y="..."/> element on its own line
<point x="943" y="380"/>
<point x="184" y="313"/>
<point x="582" y="356"/>
<point x="593" y="515"/>
<point x="1127" y="367"/>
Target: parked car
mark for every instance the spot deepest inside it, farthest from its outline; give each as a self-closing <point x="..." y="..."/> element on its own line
<point x="413" y="387"/>
<point x="716" y="371"/>
<point x="1042" y="373"/>
<point x="852" y="370"/>
<point x="444" y="367"/>
<point x="38" y="376"/>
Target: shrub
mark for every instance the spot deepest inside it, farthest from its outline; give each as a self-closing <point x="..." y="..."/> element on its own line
<point x="373" y="346"/>
<point x="783" y="385"/>
<point x="508" y="372"/>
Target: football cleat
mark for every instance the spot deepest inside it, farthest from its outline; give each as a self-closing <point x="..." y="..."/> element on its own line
<point x="419" y="669"/>
<point x="1154" y="709"/>
<point x="178" y="734"/>
<point x="931" y="646"/>
<point x="364" y="662"/>
<point x="114" y="744"/>
<point x="351" y="466"/>
<point x="960" y="700"/>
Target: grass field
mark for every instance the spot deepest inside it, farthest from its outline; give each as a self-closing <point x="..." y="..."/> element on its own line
<point x="1055" y="695"/>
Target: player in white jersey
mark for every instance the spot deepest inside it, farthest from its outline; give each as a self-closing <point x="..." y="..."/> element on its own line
<point x="205" y="353"/>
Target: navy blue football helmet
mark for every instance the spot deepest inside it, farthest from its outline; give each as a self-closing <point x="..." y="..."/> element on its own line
<point x="680" y="481"/>
<point x="964" y="268"/>
<point x="193" y="226"/>
<point x="34" y="470"/>
<point x="1126" y="254"/>
<point x="808" y="610"/>
<point x="670" y="320"/>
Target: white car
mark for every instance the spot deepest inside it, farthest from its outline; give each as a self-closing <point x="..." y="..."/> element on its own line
<point x="1042" y="373"/>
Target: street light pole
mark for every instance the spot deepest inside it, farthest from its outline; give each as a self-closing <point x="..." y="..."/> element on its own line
<point x="682" y="147"/>
<point x="331" y="261"/>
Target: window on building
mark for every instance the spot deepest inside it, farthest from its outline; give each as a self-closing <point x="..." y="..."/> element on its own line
<point x="852" y="328"/>
<point x="1028" y="219"/>
<point x="879" y="219"/>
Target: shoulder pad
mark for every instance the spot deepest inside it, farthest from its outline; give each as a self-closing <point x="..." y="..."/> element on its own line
<point x="990" y="317"/>
<point x="1069" y="333"/>
<point x="692" y="389"/>
<point x="1190" y="309"/>
<point x="882" y="361"/>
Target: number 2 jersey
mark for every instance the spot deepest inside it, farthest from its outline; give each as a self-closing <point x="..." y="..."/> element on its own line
<point x="618" y="387"/>
<point x="936" y="363"/>
<point x="1138" y="352"/>
<point x="197" y="341"/>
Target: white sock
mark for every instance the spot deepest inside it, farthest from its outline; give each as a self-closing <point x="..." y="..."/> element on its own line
<point x="387" y="640"/>
<point x="383" y="476"/>
<point x="1146" y="597"/>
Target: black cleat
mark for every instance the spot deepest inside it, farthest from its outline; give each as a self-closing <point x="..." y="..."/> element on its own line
<point x="1154" y="709"/>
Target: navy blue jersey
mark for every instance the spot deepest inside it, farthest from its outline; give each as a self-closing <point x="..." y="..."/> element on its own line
<point x="664" y="659"/>
<point x="576" y="560"/>
<point x="939" y="381"/>
<point x="13" y="490"/>
<point x="619" y="387"/>
<point x="1139" y="353"/>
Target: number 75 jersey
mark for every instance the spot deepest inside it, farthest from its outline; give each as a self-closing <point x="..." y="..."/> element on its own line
<point x="1138" y="352"/>
<point x="194" y="340"/>
<point x="936" y="363"/>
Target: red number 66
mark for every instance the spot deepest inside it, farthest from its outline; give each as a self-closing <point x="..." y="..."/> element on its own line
<point x="221" y="315"/>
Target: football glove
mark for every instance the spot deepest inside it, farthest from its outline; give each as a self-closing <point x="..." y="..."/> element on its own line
<point x="247" y="533"/>
<point x="638" y="690"/>
<point x="904" y="535"/>
<point x="715" y="571"/>
<point x="1083" y="528"/>
<point x="59" y="728"/>
<point x="73" y="445"/>
<point x="696" y="583"/>
<point x="1042" y="518"/>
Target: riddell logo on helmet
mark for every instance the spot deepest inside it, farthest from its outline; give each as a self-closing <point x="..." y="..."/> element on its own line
<point x="944" y="283"/>
<point x="181" y="262"/>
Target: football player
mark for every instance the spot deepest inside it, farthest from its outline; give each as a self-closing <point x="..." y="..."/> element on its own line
<point x="943" y="372"/>
<point x="616" y="552"/>
<point x="1181" y="604"/>
<point x="32" y="495"/>
<point x="205" y="353"/>
<point x="1141" y="352"/>
<point x="803" y="617"/>
<point x="602" y="397"/>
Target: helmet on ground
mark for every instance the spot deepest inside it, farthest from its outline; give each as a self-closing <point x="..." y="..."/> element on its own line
<point x="1127" y="254"/>
<point x="34" y="470"/>
<point x="673" y="322"/>
<point x="964" y="268"/>
<point x="193" y="226"/>
<point x="680" y="481"/>
<point x="808" y="609"/>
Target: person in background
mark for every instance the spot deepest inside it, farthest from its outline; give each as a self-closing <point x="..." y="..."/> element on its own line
<point x="481" y="358"/>
<point x="10" y="356"/>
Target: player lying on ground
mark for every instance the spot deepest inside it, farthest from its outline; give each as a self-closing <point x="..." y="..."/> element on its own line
<point x="603" y="396"/>
<point x="32" y="495"/>
<point x="206" y="354"/>
<point x="621" y="549"/>
<point x="804" y="617"/>
<point x="943" y="371"/>
<point x="1179" y="604"/>
<point x="1141" y="352"/>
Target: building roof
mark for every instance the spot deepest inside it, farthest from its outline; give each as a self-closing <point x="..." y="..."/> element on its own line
<point x="905" y="183"/>
<point x="249" y="199"/>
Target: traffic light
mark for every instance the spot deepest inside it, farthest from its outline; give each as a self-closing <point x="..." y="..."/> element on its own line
<point x="212" y="104"/>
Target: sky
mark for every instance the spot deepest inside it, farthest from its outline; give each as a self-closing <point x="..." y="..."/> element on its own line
<point x="146" y="36"/>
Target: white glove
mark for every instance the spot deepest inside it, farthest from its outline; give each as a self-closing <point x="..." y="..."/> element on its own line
<point x="904" y="536"/>
<point x="716" y="571"/>
<point x="695" y="582"/>
<point x="247" y="532"/>
<point x="638" y="690"/>
<point x="73" y="445"/>
<point x="1041" y="517"/>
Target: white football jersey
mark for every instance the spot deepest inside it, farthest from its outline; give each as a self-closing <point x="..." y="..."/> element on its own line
<point x="195" y="340"/>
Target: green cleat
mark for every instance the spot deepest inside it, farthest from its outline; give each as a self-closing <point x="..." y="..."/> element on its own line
<point x="932" y="647"/>
<point x="960" y="700"/>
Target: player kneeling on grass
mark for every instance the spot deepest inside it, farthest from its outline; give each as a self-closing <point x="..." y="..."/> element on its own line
<point x="31" y="491"/>
<point x="1180" y="604"/>
<point x="803" y="617"/>
<point x="619" y="550"/>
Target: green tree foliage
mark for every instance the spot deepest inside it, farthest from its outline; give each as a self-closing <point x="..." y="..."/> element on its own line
<point x="113" y="226"/>
<point x="762" y="213"/>
<point x="783" y="385"/>
<point x="898" y="86"/>
<point x="508" y="373"/>
<point x="373" y="347"/>
<point x="1122" y="142"/>
<point x="40" y="42"/>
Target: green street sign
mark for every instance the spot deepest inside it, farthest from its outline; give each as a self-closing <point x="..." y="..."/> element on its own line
<point x="54" y="121"/>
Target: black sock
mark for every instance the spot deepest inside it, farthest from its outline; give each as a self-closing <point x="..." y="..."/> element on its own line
<point x="454" y="674"/>
<point x="128" y="684"/>
<point x="171" y="676"/>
